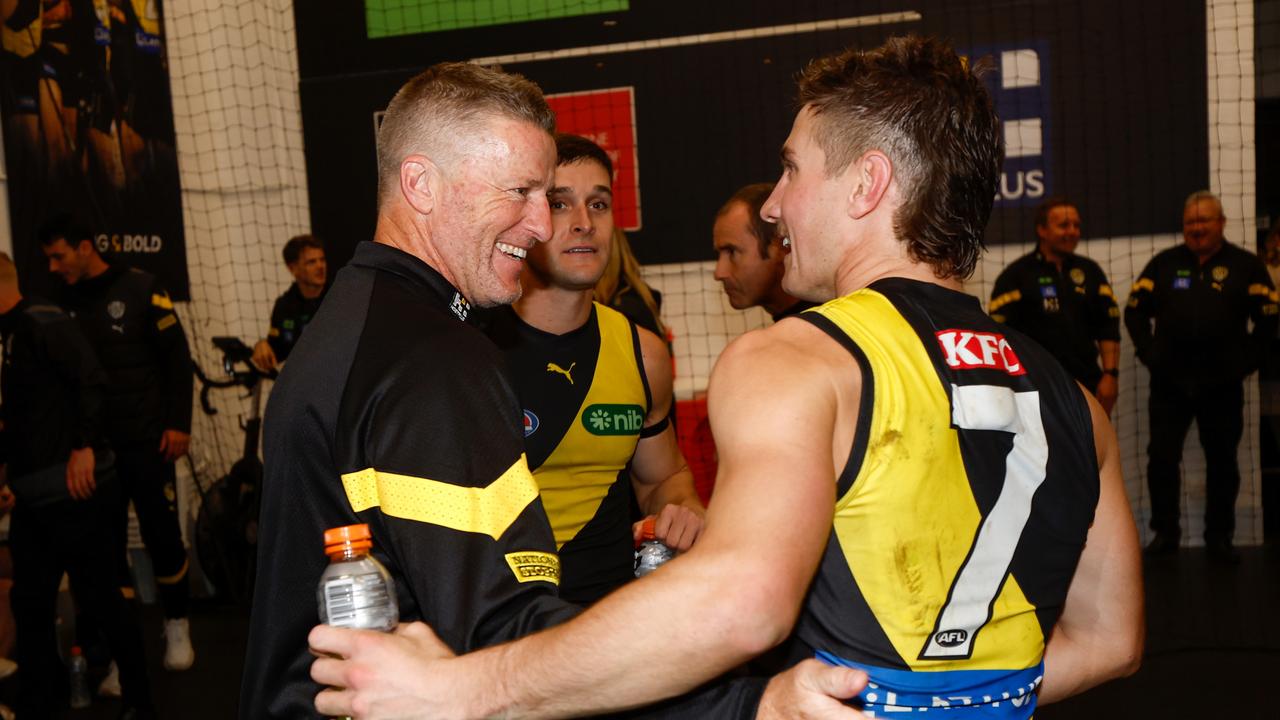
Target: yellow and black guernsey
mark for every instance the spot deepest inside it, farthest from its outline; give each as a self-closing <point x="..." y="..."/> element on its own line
<point x="962" y="512"/>
<point x="396" y="411"/>
<point x="585" y="397"/>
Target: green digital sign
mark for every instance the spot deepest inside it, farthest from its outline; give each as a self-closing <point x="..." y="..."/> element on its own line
<point x="389" y="18"/>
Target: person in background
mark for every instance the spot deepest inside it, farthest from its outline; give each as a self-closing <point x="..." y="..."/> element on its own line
<point x="60" y="468"/>
<point x="129" y="320"/>
<point x="1189" y="314"/>
<point x="750" y="257"/>
<point x="1063" y="301"/>
<point x="571" y="357"/>
<point x="622" y="287"/>
<point x="304" y="256"/>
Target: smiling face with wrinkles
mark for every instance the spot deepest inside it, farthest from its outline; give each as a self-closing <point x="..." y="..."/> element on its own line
<point x="493" y="209"/>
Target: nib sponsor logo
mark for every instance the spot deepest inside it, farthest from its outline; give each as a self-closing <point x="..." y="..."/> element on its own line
<point x="968" y="350"/>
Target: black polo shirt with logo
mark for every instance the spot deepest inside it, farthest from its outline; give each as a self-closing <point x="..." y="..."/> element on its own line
<point x="1067" y="311"/>
<point x="1190" y="322"/>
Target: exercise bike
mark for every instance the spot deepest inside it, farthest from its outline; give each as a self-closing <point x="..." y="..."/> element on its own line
<point x="226" y="530"/>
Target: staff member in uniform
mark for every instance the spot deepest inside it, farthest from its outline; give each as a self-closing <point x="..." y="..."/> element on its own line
<point x="1063" y="301"/>
<point x="56" y="460"/>
<point x="580" y="368"/>
<point x="129" y="320"/>
<point x="1200" y="296"/>
<point x="304" y="256"/>
<point x="859" y="442"/>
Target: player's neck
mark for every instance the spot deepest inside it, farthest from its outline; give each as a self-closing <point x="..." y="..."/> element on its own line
<point x="554" y="310"/>
<point x="778" y="302"/>
<point x="856" y="274"/>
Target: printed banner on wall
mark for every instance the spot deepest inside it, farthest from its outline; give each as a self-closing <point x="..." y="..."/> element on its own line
<point x="388" y="18"/>
<point x="88" y="129"/>
<point x="607" y="118"/>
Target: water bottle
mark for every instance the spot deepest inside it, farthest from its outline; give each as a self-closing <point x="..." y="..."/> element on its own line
<point x="355" y="591"/>
<point x="80" y="697"/>
<point x="652" y="554"/>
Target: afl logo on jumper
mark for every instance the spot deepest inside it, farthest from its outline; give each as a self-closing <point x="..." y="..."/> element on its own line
<point x="1220" y="273"/>
<point x="531" y="423"/>
<point x="950" y="638"/>
<point x="969" y="350"/>
<point x="1077" y="276"/>
<point x="115" y="309"/>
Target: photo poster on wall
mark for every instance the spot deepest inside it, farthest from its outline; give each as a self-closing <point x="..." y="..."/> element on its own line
<point x="608" y="118"/>
<point x="89" y="134"/>
<point x="1118" y="127"/>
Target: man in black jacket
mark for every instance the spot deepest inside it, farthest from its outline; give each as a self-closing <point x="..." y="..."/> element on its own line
<point x="304" y="256"/>
<point x="60" y="469"/>
<point x="1201" y="296"/>
<point x="129" y="320"/>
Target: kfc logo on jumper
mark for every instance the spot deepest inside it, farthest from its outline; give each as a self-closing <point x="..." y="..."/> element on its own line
<point x="968" y="349"/>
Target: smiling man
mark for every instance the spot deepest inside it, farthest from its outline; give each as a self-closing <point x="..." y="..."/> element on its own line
<point x="1063" y="301"/>
<point x="394" y="410"/>
<point x="579" y="367"/>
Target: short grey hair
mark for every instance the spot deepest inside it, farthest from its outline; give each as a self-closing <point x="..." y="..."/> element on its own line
<point x="1199" y="195"/>
<point x="440" y="106"/>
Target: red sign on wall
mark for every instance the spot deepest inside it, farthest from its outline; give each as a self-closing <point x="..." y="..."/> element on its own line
<point x="608" y="118"/>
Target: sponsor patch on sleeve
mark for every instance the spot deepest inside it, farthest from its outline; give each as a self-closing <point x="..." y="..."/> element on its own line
<point x="167" y="322"/>
<point x="532" y="566"/>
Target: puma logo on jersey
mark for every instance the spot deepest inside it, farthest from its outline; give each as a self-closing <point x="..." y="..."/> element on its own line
<point x="968" y="349"/>
<point x="552" y="367"/>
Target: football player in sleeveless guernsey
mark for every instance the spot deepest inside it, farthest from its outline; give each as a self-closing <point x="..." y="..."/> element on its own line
<point x="914" y="490"/>
<point x="595" y="390"/>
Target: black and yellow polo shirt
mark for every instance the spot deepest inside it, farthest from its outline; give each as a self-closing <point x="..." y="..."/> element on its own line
<point x="395" y="411"/>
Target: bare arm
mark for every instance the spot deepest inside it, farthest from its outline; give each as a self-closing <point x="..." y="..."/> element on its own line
<point x="660" y="476"/>
<point x="1109" y="386"/>
<point x="1099" y="636"/>
<point x="734" y="595"/>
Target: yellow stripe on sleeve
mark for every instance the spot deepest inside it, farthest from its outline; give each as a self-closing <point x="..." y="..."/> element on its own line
<point x="1260" y="289"/>
<point x="161" y="301"/>
<point x="488" y="510"/>
<point x="1143" y="284"/>
<point x="1005" y="299"/>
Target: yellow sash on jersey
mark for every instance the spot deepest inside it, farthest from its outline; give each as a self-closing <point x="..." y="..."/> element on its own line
<point x="576" y="477"/>
<point x="908" y="520"/>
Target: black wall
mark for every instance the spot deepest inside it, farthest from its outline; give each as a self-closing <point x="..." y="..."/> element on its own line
<point x="1122" y="101"/>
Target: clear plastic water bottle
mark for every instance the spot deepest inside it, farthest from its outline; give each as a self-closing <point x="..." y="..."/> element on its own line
<point x="652" y="554"/>
<point x="80" y="697"/>
<point x="355" y="591"/>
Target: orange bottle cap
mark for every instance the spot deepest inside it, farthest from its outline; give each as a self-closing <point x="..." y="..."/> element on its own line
<point x="355" y="534"/>
<point x="648" y="529"/>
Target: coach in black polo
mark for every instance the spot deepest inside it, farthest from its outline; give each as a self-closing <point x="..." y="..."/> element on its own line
<point x="1064" y="302"/>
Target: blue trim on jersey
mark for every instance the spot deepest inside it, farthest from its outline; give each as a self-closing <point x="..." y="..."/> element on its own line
<point x="960" y="694"/>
